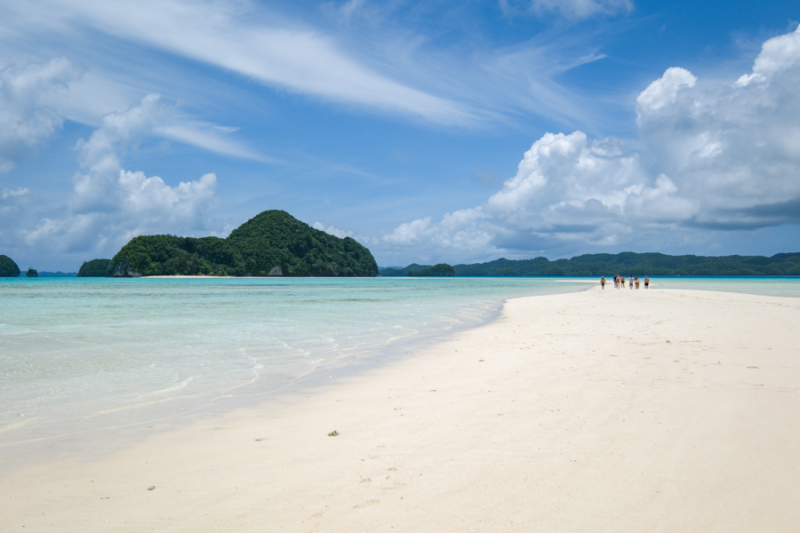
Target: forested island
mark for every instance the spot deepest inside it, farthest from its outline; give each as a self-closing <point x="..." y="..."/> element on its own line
<point x="8" y="268"/>
<point x="275" y="243"/>
<point x="96" y="268"/>
<point x="272" y="243"/>
<point x="651" y="264"/>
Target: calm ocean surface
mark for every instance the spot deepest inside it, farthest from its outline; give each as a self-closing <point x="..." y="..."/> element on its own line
<point x="78" y="355"/>
<point x="81" y="355"/>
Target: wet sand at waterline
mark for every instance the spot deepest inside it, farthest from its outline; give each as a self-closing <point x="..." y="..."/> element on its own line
<point x="615" y="410"/>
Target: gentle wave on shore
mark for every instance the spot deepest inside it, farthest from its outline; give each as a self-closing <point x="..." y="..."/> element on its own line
<point x="84" y="354"/>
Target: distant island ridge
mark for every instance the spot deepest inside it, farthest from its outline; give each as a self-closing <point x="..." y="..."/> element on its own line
<point x="10" y="269"/>
<point x="442" y="269"/>
<point x="274" y="243"/>
<point x="652" y="264"/>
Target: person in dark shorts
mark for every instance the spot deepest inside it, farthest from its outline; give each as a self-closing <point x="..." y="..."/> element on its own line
<point x="646" y="282"/>
<point x="603" y="282"/>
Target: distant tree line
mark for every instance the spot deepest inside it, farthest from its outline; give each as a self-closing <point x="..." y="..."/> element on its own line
<point x="651" y="264"/>
<point x="302" y="252"/>
<point x="442" y="269"/>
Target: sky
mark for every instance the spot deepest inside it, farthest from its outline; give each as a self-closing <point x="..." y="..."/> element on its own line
<point x="435" y="131"/>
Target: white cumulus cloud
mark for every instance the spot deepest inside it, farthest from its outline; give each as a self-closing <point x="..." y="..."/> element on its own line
<point x="109" y="204"/>
<point x="336" y="232"/>
<point x="712" y="157"/>
<point x="664" y="91"/>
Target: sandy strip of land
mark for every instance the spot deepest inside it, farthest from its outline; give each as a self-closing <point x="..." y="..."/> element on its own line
<point x="180" y="276"/>
<point x="615" y="410"/>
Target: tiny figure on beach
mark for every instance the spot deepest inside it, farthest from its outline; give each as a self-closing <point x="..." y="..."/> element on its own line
<point x="636" y="281"/>
<point x="603" y="282"/>
<point x="646" y="282"/>
<point x="630" y="282"/>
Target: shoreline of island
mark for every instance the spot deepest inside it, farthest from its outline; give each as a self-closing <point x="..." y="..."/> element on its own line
<point x="652" y="409"/>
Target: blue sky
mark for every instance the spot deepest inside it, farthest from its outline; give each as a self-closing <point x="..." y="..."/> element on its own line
<point x="430" y="131"/>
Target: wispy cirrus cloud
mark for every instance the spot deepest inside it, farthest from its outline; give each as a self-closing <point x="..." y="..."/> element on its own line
<point x="209" y="137"/>
<point x="369" y="56"/>
<point x="571" y="9"/>
<point x="499" y="84"/>
<point x="243" y="38"/>
<point x="36" y="98"/>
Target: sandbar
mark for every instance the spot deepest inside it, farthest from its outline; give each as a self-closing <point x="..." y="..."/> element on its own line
<point x="615" y="410"/>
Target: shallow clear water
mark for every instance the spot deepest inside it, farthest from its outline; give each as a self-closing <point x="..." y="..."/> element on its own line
<point x="83" y="355"/>
<point x="788" y="287"/>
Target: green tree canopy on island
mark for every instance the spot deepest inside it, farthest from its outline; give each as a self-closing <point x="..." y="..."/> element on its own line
<point x="271" y="243"/>
<point x="96" y="268"/>
<point x="628" y="263"/>
<point x="8" y="268"/>
<point x="442" y="269"/>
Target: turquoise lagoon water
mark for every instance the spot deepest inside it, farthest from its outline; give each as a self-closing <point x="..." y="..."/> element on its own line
<point x="80" y="355"/>
<point x="86" y="356"/>
<point x="767" y="286"/>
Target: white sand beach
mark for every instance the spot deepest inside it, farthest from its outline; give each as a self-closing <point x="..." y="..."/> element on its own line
<point x="616" y="410"/>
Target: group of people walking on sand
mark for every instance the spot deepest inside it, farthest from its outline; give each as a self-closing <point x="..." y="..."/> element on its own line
<point x="619" y="282"/>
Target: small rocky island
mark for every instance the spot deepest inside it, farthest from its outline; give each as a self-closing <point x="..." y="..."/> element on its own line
<point x="273" y="243"/>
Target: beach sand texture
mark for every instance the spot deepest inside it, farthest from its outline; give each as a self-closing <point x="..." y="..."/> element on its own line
<point x="616" y="410"/>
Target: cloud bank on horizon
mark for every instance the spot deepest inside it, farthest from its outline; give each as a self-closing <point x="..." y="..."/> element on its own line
<point x="712" y="156"/>
<point x="183" y="117"/>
